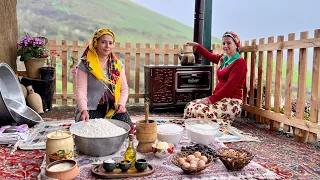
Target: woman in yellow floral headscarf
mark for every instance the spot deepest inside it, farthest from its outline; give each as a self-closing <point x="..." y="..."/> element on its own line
<point x="226" y="100"/>
<point x="102" y="88"/>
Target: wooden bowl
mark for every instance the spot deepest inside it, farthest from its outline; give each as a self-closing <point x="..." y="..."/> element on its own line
<point x="175" y="157"/>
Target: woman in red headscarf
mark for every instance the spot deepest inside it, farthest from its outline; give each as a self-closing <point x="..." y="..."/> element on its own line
<point x="226" y="100"/>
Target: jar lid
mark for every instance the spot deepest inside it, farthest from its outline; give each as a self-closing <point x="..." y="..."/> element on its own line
<point x="59" y="134"/>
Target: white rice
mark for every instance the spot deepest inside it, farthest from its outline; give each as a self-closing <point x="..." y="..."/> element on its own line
<point x="99" y="128"/>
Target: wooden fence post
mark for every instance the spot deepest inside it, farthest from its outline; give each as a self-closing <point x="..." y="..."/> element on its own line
<point x="289" y="77"/>
<point x="64" y="57"/>
<point x="260" y="74"/>
<point x="252" y="78"/>
<point x="137" y="73"/>
<point x="75" y="56"/>
<point x="315" y="91"/>
<point x="302" y="135"/>
<point x="274" y="125"/>
<point x="127" y="66"/>
<point x="269" y="79"/>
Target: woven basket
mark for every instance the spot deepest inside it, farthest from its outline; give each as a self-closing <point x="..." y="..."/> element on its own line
<point x="236" y="160"/>
<point x="175" y="157"/>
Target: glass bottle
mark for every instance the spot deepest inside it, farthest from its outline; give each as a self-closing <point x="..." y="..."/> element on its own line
<point x="130" y="153"/>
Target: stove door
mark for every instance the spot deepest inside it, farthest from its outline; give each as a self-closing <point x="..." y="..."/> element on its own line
<point x="188" y="81"/>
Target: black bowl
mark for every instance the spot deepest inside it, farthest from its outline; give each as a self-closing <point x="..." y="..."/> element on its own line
<point x="141" y="164"/>
<point x="125" y="165"/>
<point x="109" y="167"/>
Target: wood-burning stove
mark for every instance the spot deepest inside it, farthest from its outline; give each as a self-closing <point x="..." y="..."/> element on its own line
<point x="175" y="85"/>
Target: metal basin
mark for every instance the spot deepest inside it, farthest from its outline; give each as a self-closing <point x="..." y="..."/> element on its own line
<point x="22" y="114"/>
<point x="10" y="88"/>
<point x="100" y="146"/>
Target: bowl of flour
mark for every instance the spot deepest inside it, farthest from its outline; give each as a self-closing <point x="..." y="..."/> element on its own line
<point x="99" y="137"/>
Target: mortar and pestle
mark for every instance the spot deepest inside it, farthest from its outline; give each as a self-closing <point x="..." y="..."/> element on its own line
<point x="146" y="132"/>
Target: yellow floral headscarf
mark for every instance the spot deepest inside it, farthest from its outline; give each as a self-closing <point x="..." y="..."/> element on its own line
<point x="91" y="60"/>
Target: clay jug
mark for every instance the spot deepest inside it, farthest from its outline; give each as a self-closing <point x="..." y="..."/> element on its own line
<point x="24" y="91"/>
<point x="59" y="146"/>
<point x="34" y="100"/>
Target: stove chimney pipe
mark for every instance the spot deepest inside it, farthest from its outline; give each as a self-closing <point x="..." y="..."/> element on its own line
<point x="198" y="26"/>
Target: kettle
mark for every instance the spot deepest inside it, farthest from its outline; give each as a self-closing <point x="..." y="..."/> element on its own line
<point x="186" y="58"/>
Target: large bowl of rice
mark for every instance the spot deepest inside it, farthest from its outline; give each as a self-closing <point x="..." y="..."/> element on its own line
<point x="99" y="137"/>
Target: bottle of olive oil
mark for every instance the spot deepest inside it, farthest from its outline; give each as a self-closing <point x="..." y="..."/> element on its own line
<point x="130" y="153"/>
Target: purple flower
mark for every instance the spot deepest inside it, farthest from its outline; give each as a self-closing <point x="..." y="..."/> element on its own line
<point x="32" y="46"/>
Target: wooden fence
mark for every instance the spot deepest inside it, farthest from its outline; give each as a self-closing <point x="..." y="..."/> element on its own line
<point x="131" y="57"/>
<point x="304" y="130"/>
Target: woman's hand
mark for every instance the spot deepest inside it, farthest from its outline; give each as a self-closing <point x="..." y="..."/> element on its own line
<point x="120" y="108"/>
<point x="205" y="101"/>
<point x="84" y="115"/>
<point x="193" y="44"/>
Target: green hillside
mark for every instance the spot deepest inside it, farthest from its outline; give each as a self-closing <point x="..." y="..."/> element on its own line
<point x="78" y="19"/>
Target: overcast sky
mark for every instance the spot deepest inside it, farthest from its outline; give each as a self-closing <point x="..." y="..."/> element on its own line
<point x="249" y="18"/>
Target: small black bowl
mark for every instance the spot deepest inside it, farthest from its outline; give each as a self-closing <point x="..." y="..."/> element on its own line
<point x="109" y="167"/>
<point x="141" y="165"/>
<point x="125" y="165"/>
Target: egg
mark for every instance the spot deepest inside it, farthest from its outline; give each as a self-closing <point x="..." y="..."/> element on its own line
<point x="186" y="165"/>
<point x="193" y="162"/>
<point x="201" y="164"/>
<point x="193" y="167"/>
<point x="204" y="158"/>
<point x="185" y="159"/>
<point x="190" y="158"/>
<point x="197" y="154"/>
<point x="196" y="159"/>
<point x="181" y="161"/>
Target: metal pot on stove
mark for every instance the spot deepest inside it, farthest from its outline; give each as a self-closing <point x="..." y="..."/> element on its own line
<point x="186" y="58"/>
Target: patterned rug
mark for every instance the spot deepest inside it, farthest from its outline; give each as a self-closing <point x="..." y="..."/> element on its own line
<point x="37" y="139"/>
<point x="164" y="169"/>
<point x="280" y="154"/>
<point x="20" y="164"/>
<point x="226" y="134"/>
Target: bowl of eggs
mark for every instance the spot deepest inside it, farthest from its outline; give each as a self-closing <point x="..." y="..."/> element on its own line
<point x="191" y="162"/>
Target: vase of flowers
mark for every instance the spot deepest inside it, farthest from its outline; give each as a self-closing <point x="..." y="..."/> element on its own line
<point x="33" y="53"/>
<point x="48" y="71"/>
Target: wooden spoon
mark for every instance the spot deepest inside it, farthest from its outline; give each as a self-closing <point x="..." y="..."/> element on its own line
<point x="146" y="112"/>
